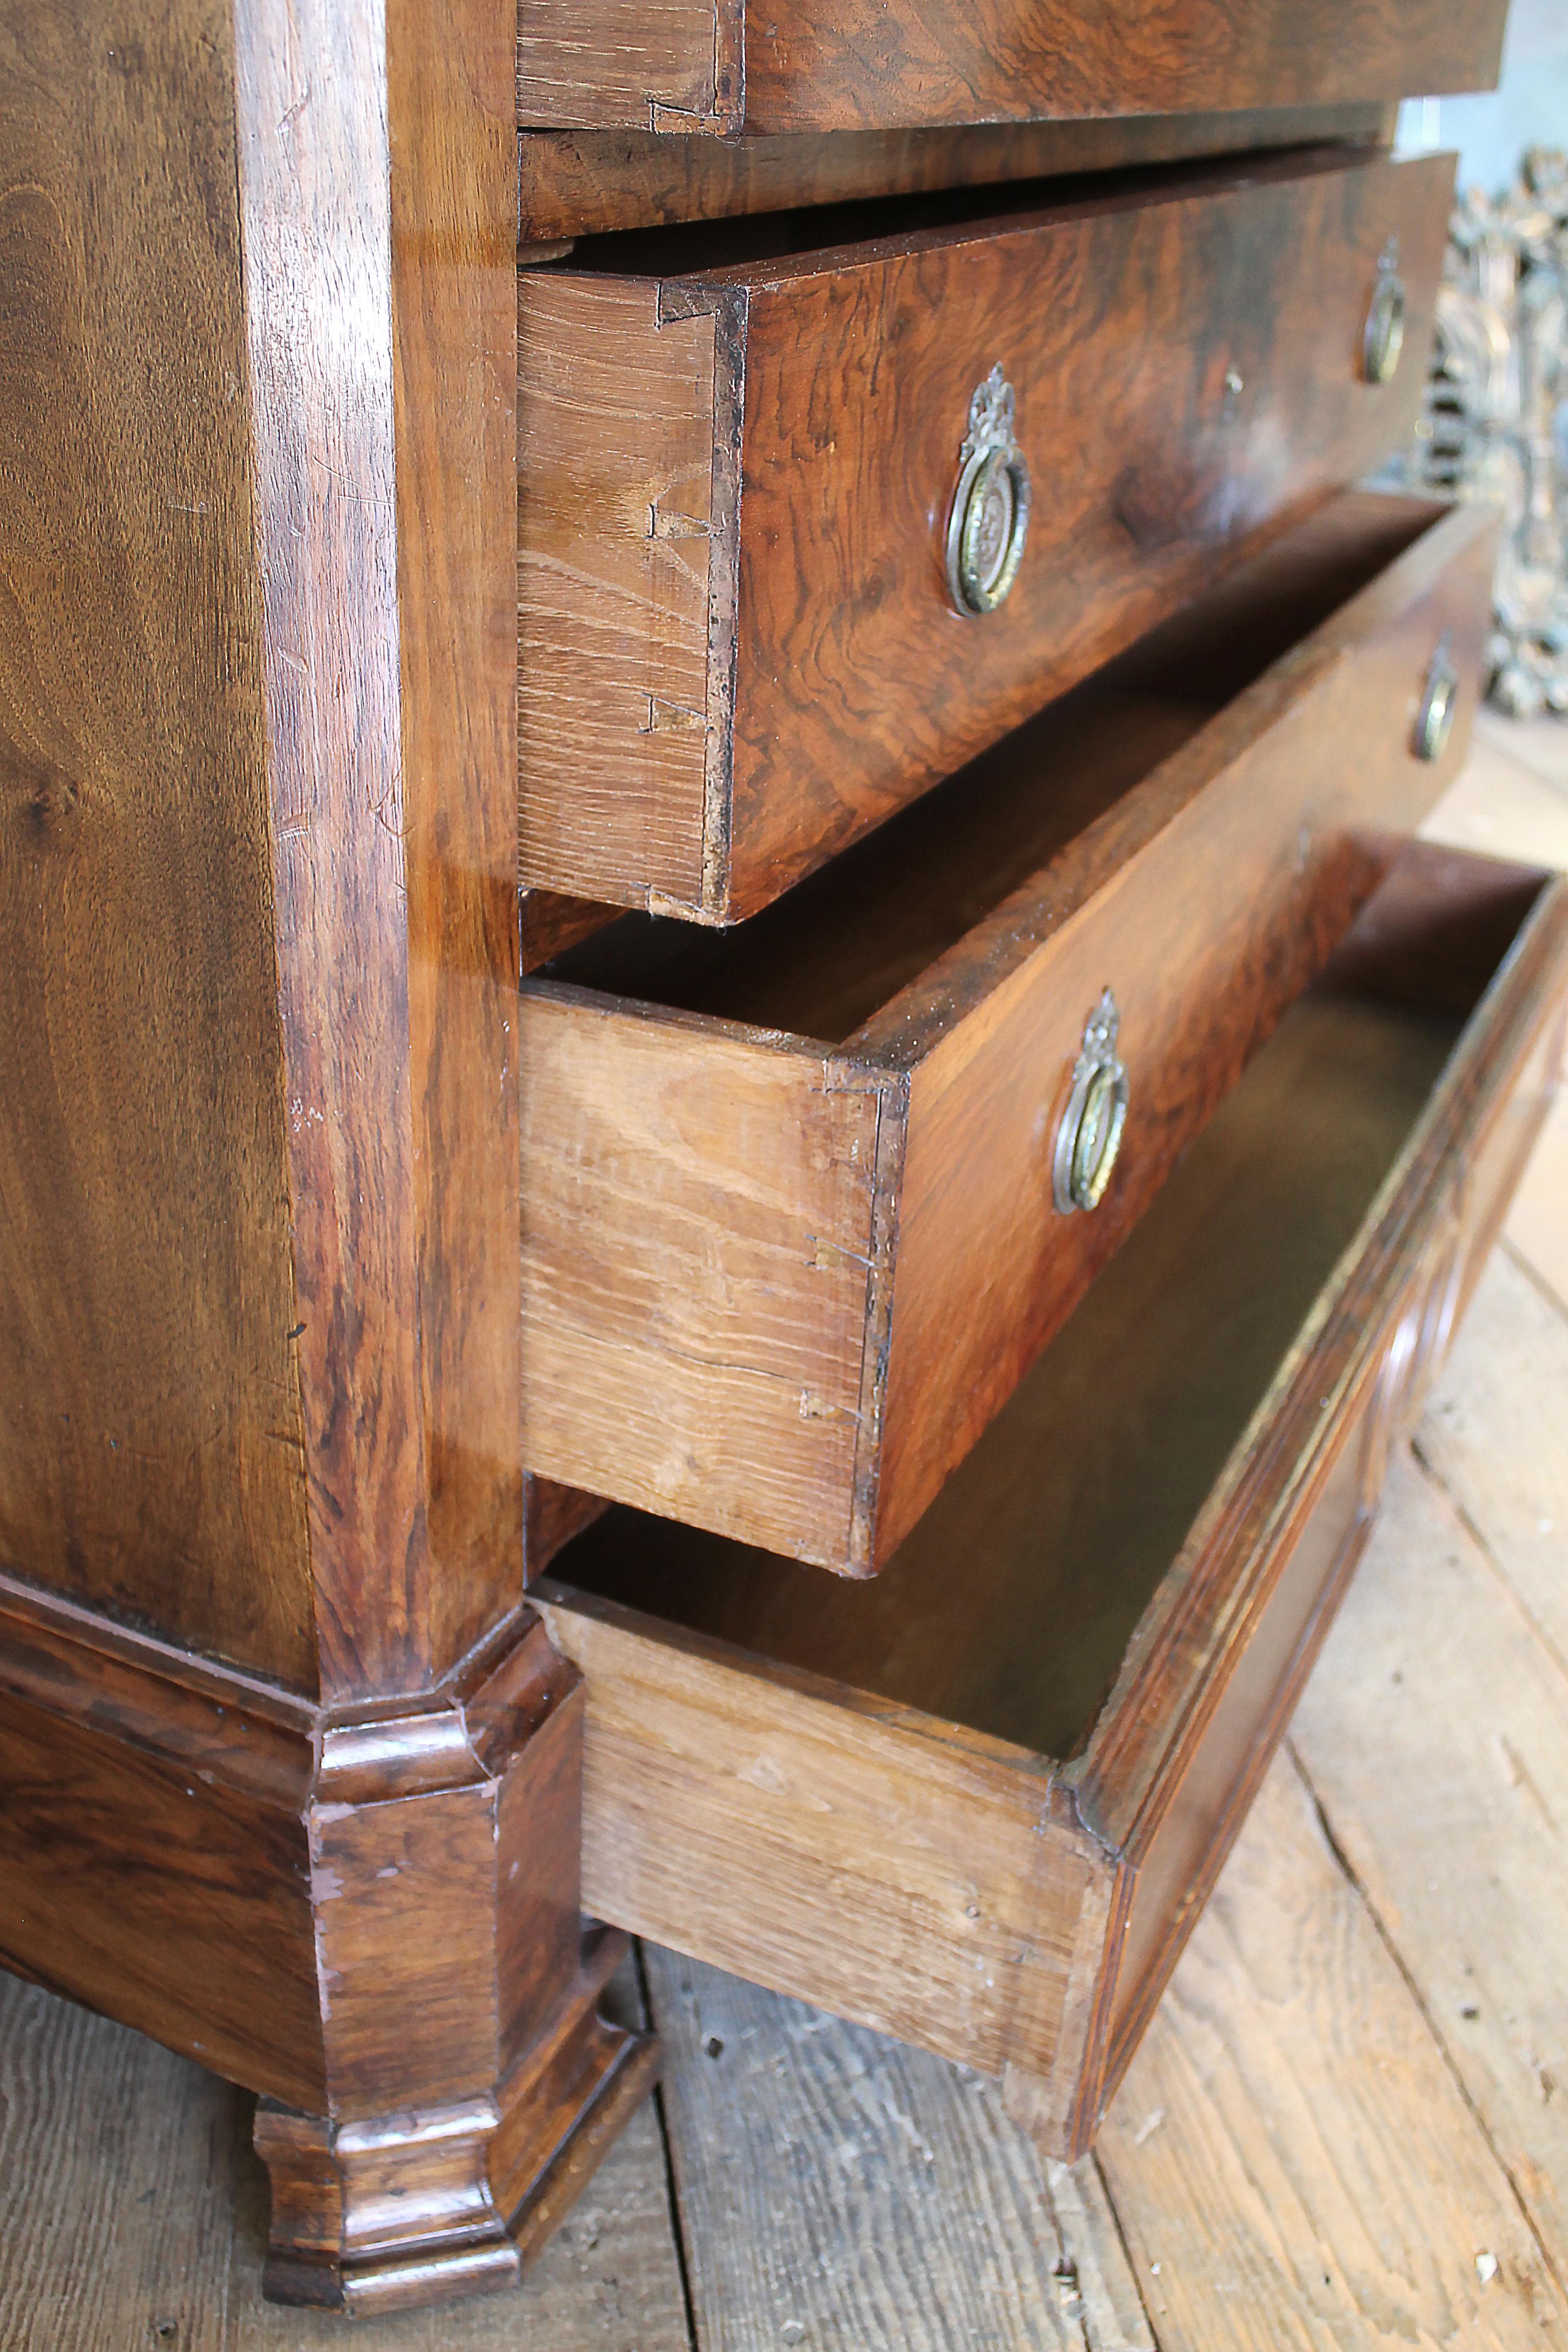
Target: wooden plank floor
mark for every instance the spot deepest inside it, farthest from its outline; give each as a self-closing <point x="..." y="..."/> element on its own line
<point x="1347" y="2127"/>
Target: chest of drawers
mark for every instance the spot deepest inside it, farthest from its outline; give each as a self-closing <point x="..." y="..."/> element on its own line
<point x="706" y="779"/>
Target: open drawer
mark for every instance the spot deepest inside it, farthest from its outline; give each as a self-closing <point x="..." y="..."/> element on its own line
<point x="800" y="533"/>
<point x="805" y="1201"/>
<point x="977" y="1802"/>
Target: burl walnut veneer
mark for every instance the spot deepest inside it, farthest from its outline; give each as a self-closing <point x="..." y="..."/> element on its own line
<point x="789" y="1232"/>
<point x="979" y="1803"/>
<point x="770" y="66"/>
<point x="290" y="1762"/>
<point x="289" y="1772"/>
<point x="739" y="649"/>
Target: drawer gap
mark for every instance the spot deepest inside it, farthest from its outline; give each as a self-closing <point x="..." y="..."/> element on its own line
<point x="814" y="232"/>
<point x="837" y="949"/>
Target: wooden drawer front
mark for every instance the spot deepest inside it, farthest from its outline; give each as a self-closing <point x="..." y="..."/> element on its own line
<point x="913" y="1800"/>
<point x="724" y="65"/>
<point x="777" y="1288"/>
<point x="738" y="646"/>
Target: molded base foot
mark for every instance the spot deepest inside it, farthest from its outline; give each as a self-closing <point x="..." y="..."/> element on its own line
<point x="386" y="2211"/>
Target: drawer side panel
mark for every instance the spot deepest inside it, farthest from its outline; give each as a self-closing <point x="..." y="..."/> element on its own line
<point x="700" y="1265"/>
<point x="616" y="524"/>
<point x="857" y="1864"/>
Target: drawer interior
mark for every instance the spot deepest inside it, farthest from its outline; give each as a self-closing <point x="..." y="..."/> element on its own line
<point x="1011" y="1606"/>
<point x="835" y="951"/>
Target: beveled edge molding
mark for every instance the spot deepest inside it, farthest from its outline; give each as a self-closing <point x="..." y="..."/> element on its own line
<point x="401" y="1805"/>
<point x="389" y="2212"/>
<point x="258" y="1739"/>
<point x="237" y="1731"/>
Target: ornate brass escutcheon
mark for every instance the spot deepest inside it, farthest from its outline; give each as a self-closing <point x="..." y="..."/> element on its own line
<point x="990" y="517"/>
<point x="1384" y="338"/>
<point x="1439" y="701"/>
<point x="1089" y="1136"/>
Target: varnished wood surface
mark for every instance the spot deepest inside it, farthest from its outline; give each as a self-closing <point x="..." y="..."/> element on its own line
<point x="259" y="1185"/>
<point x="259" y="874"/>
<point x="802" y="65"/>
<point x="582" y="183"/>
<point x="735" y="1300"/>
<point x="150" y="1427"/>
<point x="391" y="202"/>
<point x="738" y="652"/>
<point x="1244" y="2150"/>
<point x="453" y="176"/>
<point x="374" y="1921"/>
<point x="1130" y="1574"/>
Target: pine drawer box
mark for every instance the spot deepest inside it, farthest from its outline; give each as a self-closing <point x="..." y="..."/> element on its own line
<point x="978" y="1804"/>
<point x="806" y="1199"/>
<point x="799" y="535"/>
<point x="724" y="66"/>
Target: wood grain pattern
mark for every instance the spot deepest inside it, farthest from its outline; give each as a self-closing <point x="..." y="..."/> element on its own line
<point x="914" y="2213"/>
<point x="1462" y="1847"/>
<point x="805" y="66"/>
<point x="150" y="1412"/>
<point x="1289" y="2104"/>
<point x="1475" y="1428"/>
<point x="620" y="525"/>
<point x="327" y="545"/>
<point x="377" y="183"/>
<point x="582" y="183"/>
<point x="135" y="2211"/>
<point x="265" y="276"/>
<point x="1535" y="1226"/>
<point x="717" y="1275"/>
<point x="374" y="1921"/>
<point x="958" y="960"/>
<point x="730" y="1808"/>
<point x="452" y="173"/>
<point x="674" y="69"/>
<point x="1118" y="1596"/>
<point x="183" y="1909"/>
<point x="1184" y="358"/>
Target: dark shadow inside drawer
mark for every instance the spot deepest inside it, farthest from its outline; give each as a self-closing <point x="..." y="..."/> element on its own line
<point x="826" y="958"/>
<point x="1011" y="1606"/>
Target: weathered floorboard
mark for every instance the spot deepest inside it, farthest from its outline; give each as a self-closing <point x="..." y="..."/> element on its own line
<point x="1435" y="1741"/>
<point x="1496" y="1436"/>
<point x="1510" y="800"/>
<point x="843" y="2192"/>
<point x="133" y="2212"/>
<point x="1537" y="1228"/>
<point x="1294" y="2167"/>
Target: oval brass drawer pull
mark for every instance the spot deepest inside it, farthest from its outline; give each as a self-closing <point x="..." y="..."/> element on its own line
<point x="990" y="517"/>
<point x="1089" y="1136"/>
<point x="1439" y="702"/>
<point x="1384" y="337"/>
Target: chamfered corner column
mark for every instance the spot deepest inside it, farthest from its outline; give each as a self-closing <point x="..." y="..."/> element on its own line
<point x="472" y="2081"/>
